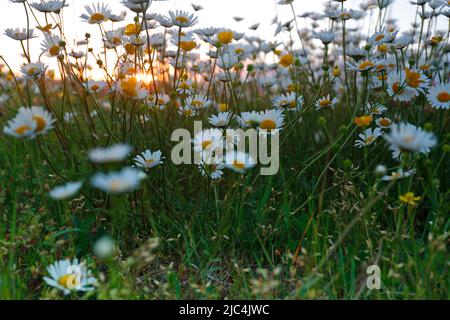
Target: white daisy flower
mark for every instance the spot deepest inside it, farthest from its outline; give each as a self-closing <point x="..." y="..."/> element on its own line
<point x="20" y="34"/>
<point x="368" y="137"/>
<point x="239" y="161"/>
<point x="397" y="88"/>
<point x="198" y="101"/>
<point x="22" y="126"/>
<point x="122" y="181"/>
<point x="52" y="45"/>
<point x="249" y="119"/>
<point x="208" y="140"/>
<point x="406" y="137"/>
<point x="326" y="103"/>
<point x="271" y="120"/>
<point x="399" y="174"/>
<point x="181" y="19"/>
<point x="113" y="153"/>
<point x="96" y="14"/>
<point x="65" y="191"/>
<point x="33" y="70"/>
<point x="222" y="119"/>
<point x="48" y="6"/>
<point x="148" y="159"/>
<point x="439" y="96"/>
<point x="93" y="86"/>
<point x="384" y="122"/>
<point x="69" y="276"/>
<point x="290" y="101"/>
<point x="44" y="119"/>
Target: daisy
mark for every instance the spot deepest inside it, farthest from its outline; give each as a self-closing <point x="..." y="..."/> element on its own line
<point x="54" y="6"/>
<point x="405" y="137"/>
<point x="137" y="6"/>
<point x="198" y="102"/>
<point x="148" y="159"/>
<point x="68" y="276"/>
<point x="376" y="109"/>
<point x="382" y="37"/>
<point x="208" y="140"/>
<point x="227" y="60"/>
<point x="66" y="191"/>
<point x="239" y="161"/>
<point x="122" y="181"/>
<point x="20" y="34"/>
<point x="211" y="166"/>
<point x="33" y="70"/>
<point x="271" y="120"/>
<point x="397" y="88"/>
<point x="181" y="19"/>
<point x="368" y="137"/>
<point x="132" y="88"/>
<point x="361" y="67"/>
<point x="326" y="36"/>
<point x="222" y="119"/>
<point x="249" y="119"/>
<point x="384" y="122"/>
<point x="439" y="96"/>
<point x="52" y="45"/>
<point x="399" y="174"/>
<point x="416" y="80"/>
<point x="326" y="103"/>
<point x="22" y="126"/>
<point x="43" y="119"/>
<point x="94" y="86"/>
<point x="290" y="101"/>
<point x="115" y="153"/>
<point x="96" y="14"/>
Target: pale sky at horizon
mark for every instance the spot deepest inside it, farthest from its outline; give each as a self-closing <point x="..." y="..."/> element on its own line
<point x="217" y="13"/>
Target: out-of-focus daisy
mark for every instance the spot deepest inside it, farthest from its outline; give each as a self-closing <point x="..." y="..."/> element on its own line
<point x="93" y="86"/>
<point x="96" y="14"/>
<point x="396" y="87"/>
<point x="326" y="36"/>
<point x="115" y="153"/>
<point x="399" y="174"/>
<point x="221" y="120"/>
<point x="211" y="166"/>
<point x="49" y="6"/>
<point x="20" y="34"/>
<point x="326" y="103"/>
<point x="239" y="161"/>
<point x="21" y="126"/>
<point x="44" y="119"/>
<point x="362" y="66"/>
<point x="122" y="181"/>
<point x="290" y="101"/>
<point x="65" y="191"/>
<point x="368" y="137"/>
<point x="33" y="70"/>
<point x="416" y="80"/>
<point x="68" y="276"/>
<point x="384" y="122"/>
<point x="227" y="60"/>
<point x="104" y="247"/>
<point x="148" y="159"/>
<point x="376" y="109"/>
<point x="439" y="96"/>
<point x="249" y="119"/>
<point x="406" y="137"/>
<point x="132" y="88"/>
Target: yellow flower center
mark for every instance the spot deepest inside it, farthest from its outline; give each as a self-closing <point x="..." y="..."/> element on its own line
<point x="188" y="45"/>
<point x="69" y="281"/>
<point x="325" y="103"/>
<point x="365" y="65"/>
<point x="239" y="165"/>
<point x="182" y="19"/>
<point x="385" y="122"/>
<point x="225" y="36"/>
<point x="54" y="50"/>
<point x="22" y="129"/>
<point x="413" y="79"/>
<point x="95" y="87"/>
<point x="268" y="124"/>
<point x="443" y="97"/>
<point x="363" y="121"/>
<point x="31" y="71"/>
<point x="206" y="143"/>
<point x="197" y="103"/>
<point x="40" y="123"/>
<point x="379" y="37"/>
<point x="129" y="87"/>
<point x="97" y="17"/>
<point x="286" y="60"/>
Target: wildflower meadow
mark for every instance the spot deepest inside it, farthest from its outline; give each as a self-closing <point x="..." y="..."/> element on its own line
<point x="155" y="156"/>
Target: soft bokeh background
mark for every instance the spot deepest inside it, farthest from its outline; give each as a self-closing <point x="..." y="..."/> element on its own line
<point x="218" y="13"/>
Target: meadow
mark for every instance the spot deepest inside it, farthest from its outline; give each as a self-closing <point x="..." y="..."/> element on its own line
<point x="92" y="205"/>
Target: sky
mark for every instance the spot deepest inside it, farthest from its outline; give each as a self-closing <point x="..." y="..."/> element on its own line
<point x="217" y="13"/>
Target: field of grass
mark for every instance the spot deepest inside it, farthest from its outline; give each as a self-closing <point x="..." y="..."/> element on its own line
<point x="308" y="232"/>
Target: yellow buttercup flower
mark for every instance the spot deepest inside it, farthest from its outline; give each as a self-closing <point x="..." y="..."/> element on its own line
<point x="409" y="198"/>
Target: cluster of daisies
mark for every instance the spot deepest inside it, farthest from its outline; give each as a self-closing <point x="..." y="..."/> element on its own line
<point x="157" y="66"/>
